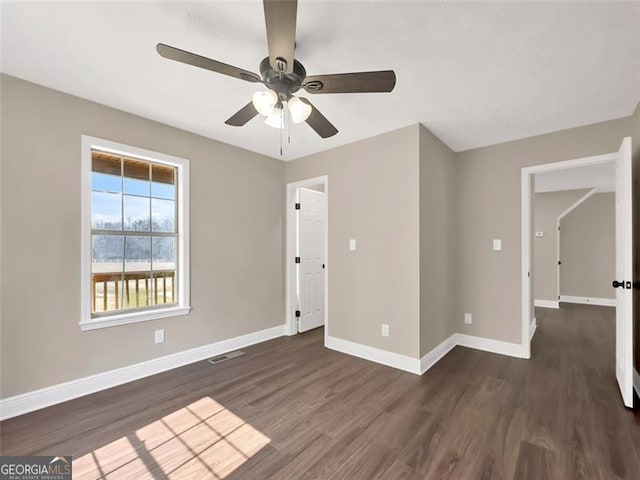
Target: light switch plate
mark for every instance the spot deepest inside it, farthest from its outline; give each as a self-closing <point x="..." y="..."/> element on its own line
<point x="467" y="319"/>
<point x="497" y="244"/>
<point x="352" y="244"/>
<point x="159" y="336"/>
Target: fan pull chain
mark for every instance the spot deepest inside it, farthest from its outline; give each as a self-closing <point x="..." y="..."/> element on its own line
<point x="289" y="126"/>
<point x="282" y="124"/>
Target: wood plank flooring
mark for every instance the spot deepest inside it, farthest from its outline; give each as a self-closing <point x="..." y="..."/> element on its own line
<point x="291" y="409"/>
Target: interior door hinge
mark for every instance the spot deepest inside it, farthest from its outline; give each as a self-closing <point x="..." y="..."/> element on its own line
<point x="297" y="259"/>
<point x="297" y="206"/>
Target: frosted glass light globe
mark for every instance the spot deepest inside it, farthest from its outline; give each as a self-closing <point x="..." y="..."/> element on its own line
<point x="300" y="110"/>
<point x="264" y="101"/>
<point x="275" y="119"/>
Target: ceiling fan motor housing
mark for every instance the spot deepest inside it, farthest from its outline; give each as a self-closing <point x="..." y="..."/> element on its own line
<point x="283" y="84"/>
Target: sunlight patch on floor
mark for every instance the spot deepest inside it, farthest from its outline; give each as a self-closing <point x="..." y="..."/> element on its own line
<point x="203" y="440"/>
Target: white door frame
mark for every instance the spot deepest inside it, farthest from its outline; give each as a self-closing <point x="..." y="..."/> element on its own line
<point x="526" y="199"/>
<point x="290" y="265"/>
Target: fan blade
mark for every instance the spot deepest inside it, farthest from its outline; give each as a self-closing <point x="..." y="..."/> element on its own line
<point x="280" y="18"/>
<point x="242" y="116"/>
<point x="360" y="82"/>
<point x="189" y="58"/>
<point x="319" y="122"/>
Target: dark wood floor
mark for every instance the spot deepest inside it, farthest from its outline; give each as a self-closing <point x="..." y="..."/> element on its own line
<point x="291" y="409"/>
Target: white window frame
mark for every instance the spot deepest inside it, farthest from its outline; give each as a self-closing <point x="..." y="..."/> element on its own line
<point x="182" y="307"/>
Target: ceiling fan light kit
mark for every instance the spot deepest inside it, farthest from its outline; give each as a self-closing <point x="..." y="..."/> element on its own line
<point x="283" y="76"/>
<point x="267" y="103"/>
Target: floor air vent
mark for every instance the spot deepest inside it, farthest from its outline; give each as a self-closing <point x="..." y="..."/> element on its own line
<point x="225" y="357"/>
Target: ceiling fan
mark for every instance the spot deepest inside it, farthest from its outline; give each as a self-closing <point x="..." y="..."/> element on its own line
<point x="283" y="76"/>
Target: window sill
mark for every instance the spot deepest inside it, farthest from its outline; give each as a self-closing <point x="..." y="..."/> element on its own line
<point x="135" y="317"/>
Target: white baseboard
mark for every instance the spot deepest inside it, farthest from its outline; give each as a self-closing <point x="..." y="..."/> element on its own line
<point x="603" y="302"/>
<point x="45" y="397"/>
<point x="431" y="358"/>
<point x="636" y="382"/>
<point x="390" y="359"/>
<point x="490" y="345"/>
<point x="420" y="366"/>
<point x="546" y="303"/>
<point x="532" y="328"/>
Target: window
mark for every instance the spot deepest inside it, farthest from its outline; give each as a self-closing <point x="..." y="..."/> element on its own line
<point x="134" y="235"/>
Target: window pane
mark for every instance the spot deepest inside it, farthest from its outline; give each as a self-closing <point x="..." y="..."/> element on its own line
<point x="163" y="182"/>
<point x="162" y="190"/>
<point x="137" y="290"/>
<point x="137" y="254"/>
<point x="136" y="187"/>
<point x="136" y="169"/>
<point x="107" y="253"/>
<point x="164" y="288"/>
<point x="136" y="213"/>
<point x="106" y="268"/>
<point x="106" y="211"/>
<point x="163" y="174"/>
<point x="106" y="292"/>
<point x="107" y="183"/>
<point x="104" y="162"/>
<point x="164" y="253"/>
<point x="163" y="215"/>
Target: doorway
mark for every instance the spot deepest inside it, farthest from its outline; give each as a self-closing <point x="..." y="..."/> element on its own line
<point x="574" y="236"/>
<point x="623" y="280"/>
<point x="307" y="255"/>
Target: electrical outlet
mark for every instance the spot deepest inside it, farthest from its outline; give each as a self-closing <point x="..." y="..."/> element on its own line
<point x="467" y="319"/>
<point x="385" y="330"/>
<point x="539" y="234"/>
<point x="159" y="336"/>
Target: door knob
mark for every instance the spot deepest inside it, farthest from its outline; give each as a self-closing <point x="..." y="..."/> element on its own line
<point x="617" y="284"/>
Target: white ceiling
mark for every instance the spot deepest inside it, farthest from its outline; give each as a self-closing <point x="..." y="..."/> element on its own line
<point x="475" y="73"/>
<point x="602" y="177"/>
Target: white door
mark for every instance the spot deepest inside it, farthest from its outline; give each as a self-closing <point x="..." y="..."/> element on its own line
<point x="311" y="236"/>
<point x="624" y="273"/>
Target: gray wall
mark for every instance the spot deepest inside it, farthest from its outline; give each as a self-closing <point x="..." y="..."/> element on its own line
<point x="237" y="214"/>
<point x="374" y="198"/>
<point x="438" y="256"/>
<point x="588" y="248"/>
<point x="547" y="207"/>
<point x="489" y="207"/>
